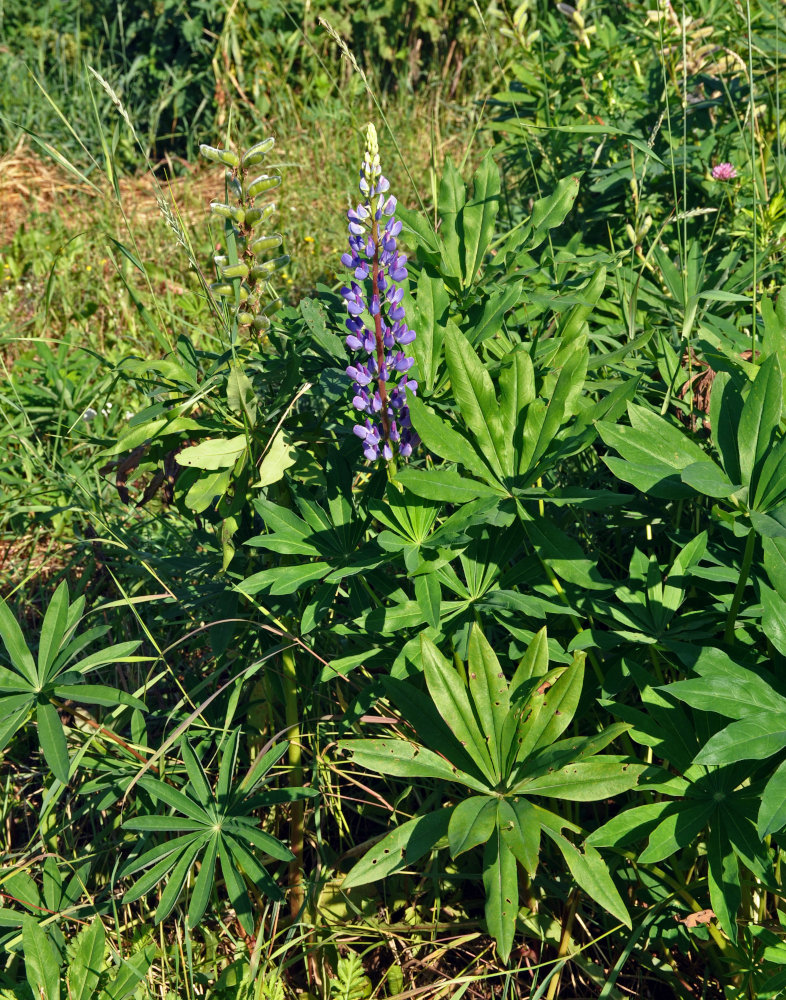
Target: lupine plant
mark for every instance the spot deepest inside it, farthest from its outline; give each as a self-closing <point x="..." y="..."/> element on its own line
<point x="562" y="531"/>
<point x="380" y="382"/>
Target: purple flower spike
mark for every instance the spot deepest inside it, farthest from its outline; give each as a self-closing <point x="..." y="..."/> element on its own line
<point x="379" y="379"/>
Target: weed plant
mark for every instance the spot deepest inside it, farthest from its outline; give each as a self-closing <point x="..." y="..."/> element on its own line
<point x="412" y="621"/>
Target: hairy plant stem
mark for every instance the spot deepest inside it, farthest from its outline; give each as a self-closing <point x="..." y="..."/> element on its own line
<point x="736" y="601"/>
<point x="295" y="760"/>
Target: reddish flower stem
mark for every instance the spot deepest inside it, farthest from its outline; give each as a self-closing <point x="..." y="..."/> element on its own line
<point x="383" y="392"/>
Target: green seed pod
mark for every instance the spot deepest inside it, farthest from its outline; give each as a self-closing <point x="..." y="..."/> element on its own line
<point x="256" y="215"/>
<point x="269" y="266"/>
<point x="234" y="271"/>
<point x="227" y="291"/>
<point x="219" y="208"/>
<point x="245" y="318"/>
<point x="229" y="158"/>
<point x="261" y="322"/>
<point x="233" y="184"/>
<point x="239" y="215"/>
<point x="220" y="261"/>
<point x="211" y="153"/>
<point x="266" y="243"/>
<point x="265" y="182"/>
<point x="273" y="307"/>
<point x="258" y="152"/>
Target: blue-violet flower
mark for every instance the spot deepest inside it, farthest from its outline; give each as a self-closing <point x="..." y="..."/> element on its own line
<point x="374" y="297"/>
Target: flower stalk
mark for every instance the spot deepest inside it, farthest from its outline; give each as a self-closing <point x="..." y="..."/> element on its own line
<point x="376" y="321"/>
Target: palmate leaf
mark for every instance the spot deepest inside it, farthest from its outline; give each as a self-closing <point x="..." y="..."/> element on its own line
<point x="407" y="760"/>
<point x="452" y="702"/>
<point x="587" y="781"/>
<point x="472" y="823"/>
<point x="591" y="873"/>
<point x="16" y="647"/>
<point x="53" y="741"/>
<point x="401" y="847"/>
<point x="500" y="882"/>
<point x="53" y="629"/>
<point x="214" y="825"/>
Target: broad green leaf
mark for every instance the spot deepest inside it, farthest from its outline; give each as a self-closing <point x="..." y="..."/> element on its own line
<point x="431" y="307"/>
<point x="403" y="846"/>
<point x="518" y="821"/>
<point x="550" y="212"/>
<point x="235" y="888"/>
<point x="771" y="487"/>
<point x="177" y="879"/>
<point x="472" y="823"/>
<point x="227" y="768"/>
<point x="558" y="706"/>
<point x="88" y="961"/>
<point x="500" y="880"/>
<point x="97" y="694"/>
<point x="53" y="630"/>
<point x="196" y="775"/>
<point x="760" y="419"/>
<point x="534" y="663"/>
<point x="591" y="873"/>
<point x="725" y="410"/>
<point x="444" y="485"/>
<point x="586" y="781"/>
<point x="723" y="878"/>
<point x="560" y="406"/>
<point x="279" y="457"/>
<point x="253" y="870"/>
<point x="752" y="738"/>
<point x="708" y="479"/>
<point x="406" y="760"/>
<point x="52" y="740"/>
<point x="129" y="975"/>
<point x="517" y="390"/>
<point x="175" y="798"/>
<point x="165" y="823"/>
<point x="155" y="874"/>
<point x="284" y="579"/>
<point x="474" y="392"/>
<point x="42" y="965"/>
<point x="773" y="620"/>
<point x="451" y="198"/>
<point x="489" y="691"/>
<point x="478" y="217"/>
<point x="728" y="689"/>
<point x="13" y="713"/>
<point x="650" y="443"/>
<point x="429" y="595"/>
<point x="452" y="702"/>
<point x="200" y="895"/>
<point x="438" y="435"/>
<point x="240" y="394"/>
<point x="249" y="830"/>
<point x="16" y="647"/>
<point x="676" y="830"/>
<point x="630" y="826"/>
<point x="772" y="808"/>
<point x="676" y="585"/>
<point x="119" y="652"/>
<point x="573" y="323"/>
<point x="206" y="489"/>
<point x="213" y="453"/>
